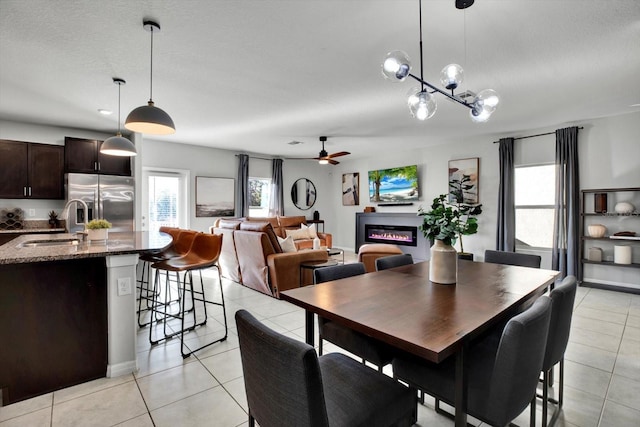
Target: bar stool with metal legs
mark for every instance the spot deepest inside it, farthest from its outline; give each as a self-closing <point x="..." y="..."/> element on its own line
<point x="144" y="284"/>
<point x="204" y="253"/>
<point x="162" y="305"/>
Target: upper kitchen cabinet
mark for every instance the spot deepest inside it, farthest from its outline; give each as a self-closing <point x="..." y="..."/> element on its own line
<point x="31" y="171"/>
<point x="83" y="156"/>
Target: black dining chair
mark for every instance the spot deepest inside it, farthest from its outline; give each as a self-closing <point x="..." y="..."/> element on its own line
<point x="393" y="261"/>
<point x="502" y="374"/>
<point x="512" y="258"/>
<point x="369" y="349"/>
<point x="562" y="299"/>
<point x="287" y="384"/>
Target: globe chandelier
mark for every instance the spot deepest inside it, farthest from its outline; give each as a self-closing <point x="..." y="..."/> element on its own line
<point x="396" y="67"/>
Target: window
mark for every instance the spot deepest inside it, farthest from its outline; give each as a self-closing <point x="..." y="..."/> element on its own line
<point x="535" y="205"/>
<point x="259" y="195"/>
<point x="166" y="199"/>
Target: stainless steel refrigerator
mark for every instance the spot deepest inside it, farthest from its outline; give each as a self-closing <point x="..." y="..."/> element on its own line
<point x="107" y="197"/>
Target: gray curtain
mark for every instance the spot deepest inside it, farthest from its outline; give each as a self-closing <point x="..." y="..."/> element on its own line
<point x="276" y="201"/>
<point x="506" y="232"/>
<point x="242" y="189"/>
<point x="566" y="231"/>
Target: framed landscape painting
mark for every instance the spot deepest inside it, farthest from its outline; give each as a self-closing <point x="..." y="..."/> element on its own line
<point x="215" y="197"/>
<point x="351" y="189"/>
<point x="464" y="181"/>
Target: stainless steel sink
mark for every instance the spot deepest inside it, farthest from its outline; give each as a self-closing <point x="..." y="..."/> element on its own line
<point x="40" y="243"/>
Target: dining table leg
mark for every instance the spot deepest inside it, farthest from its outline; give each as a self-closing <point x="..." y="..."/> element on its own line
<point x="308" y="328"/>
<point x="461" y="388"/>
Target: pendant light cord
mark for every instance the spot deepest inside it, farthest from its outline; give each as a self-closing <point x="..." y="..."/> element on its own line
<point x="119" y="85"/>
<point x="151" y="78"/>
<point x="421" y="62"/>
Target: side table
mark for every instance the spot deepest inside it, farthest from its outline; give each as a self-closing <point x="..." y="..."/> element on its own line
<point x="336" y="251"/>
<point x="312" y="265"/>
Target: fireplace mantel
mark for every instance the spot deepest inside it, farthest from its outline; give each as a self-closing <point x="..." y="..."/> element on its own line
<point x="420" y="252"/>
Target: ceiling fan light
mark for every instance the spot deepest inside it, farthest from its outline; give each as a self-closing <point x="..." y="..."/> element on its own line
<point x="323" y="162"/>
<point x="118" y="146"/>
<point x="452" y="76"/>
<point x="422" y="104"/>
<point x="484" y="104"/>
<point x="150" y="119"/>
<point x="396" y="66"/>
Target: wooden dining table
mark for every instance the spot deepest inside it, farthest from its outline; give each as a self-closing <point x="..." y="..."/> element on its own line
<point x="402" y="308"/>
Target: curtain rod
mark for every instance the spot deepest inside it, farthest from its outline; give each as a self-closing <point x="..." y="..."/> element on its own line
<point x="259" y="158"/>
<point x="533" y="136"/>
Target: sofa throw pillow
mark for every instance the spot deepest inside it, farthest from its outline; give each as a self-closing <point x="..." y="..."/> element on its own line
<point x="287" y="244"/>
<point x="297" y="234"/>
<point x="311" y="229"/>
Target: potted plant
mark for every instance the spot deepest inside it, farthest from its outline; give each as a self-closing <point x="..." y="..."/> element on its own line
<point x="97" y="229"/>
<point x="443" y="225"/>
<point x="467" y="212"/>
<point x="53" y="219"/>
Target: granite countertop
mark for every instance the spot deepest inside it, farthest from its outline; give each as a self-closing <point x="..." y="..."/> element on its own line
<point x="33" y="230"/>
<point x="14" y="252"/>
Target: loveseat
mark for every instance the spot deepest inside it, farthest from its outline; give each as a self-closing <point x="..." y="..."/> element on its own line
<point x="252" y="256"/>
<point x="296" y="227"/>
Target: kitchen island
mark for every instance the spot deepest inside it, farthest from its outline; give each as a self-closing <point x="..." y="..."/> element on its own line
<point x="67" y="310"/>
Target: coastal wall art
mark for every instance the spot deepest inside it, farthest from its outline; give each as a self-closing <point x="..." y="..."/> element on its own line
<point x="215" y="197"/>
<point x="394" y="185"/>
<point x="464" y="181"/>
<point x="351" y="189"/>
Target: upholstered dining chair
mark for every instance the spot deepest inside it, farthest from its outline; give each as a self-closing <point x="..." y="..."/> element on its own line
<point x="512" y="258"/>
<point x="502" y="375"/>
<point x="287" y="384"/>
<point x="562" y="299"/>
<point x="393" y="261"/>
<point x="367" y="348"/>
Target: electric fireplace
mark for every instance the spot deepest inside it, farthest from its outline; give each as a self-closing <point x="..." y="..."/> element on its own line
<point x="394" y="234"/>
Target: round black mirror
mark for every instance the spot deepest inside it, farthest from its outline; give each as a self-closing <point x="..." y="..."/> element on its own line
<point x="303" y="194"/>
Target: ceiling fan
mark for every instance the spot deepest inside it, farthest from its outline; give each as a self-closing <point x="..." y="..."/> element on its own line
<point x="324" y="157"/>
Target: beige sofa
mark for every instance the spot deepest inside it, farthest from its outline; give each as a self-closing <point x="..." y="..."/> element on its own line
<point x="252" y="256"/>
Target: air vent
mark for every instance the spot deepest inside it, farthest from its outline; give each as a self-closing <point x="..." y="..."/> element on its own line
<point x="295" y="142"/>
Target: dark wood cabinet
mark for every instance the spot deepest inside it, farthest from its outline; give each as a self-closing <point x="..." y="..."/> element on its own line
<point x="30" y="170"/>
<point x="83" y="156"/>
<point x="53" y="326"/>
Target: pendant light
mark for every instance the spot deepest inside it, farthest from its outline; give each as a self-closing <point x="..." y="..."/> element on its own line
<point x="422" y="103"/>
<point x="149" y="118"/>
<point x="118" y="145"/>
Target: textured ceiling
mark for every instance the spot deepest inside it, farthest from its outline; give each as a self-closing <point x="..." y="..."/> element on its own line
<point x="254" y="75"/>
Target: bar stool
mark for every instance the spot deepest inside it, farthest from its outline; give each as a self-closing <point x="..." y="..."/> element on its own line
<point x="144" y="283"/>
<point x="204" y="253"/>
<point x="161" y="300"/>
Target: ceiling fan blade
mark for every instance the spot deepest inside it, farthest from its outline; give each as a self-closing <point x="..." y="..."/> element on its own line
<point x="333" y="162"/>
<point x="341" y="153"/>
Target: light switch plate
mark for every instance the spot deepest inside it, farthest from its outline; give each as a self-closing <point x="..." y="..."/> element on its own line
<point x="124" y="286"/>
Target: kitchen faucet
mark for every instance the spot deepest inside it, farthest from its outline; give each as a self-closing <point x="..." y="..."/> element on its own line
<point x="65" y="213"/>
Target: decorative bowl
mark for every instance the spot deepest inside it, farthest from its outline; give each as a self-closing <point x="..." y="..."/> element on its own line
<point x="597" y="230"/>
<point x="624" y="208"/>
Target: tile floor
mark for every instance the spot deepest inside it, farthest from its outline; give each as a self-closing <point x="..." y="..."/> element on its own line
<point x="602" y="380"/>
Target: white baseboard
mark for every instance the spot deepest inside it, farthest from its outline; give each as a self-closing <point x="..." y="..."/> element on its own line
<point x="123" y="368"/>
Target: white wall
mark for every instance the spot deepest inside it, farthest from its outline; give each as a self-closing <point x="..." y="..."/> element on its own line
<point x="609" y="157"/>
<point x="211" y="162"/>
